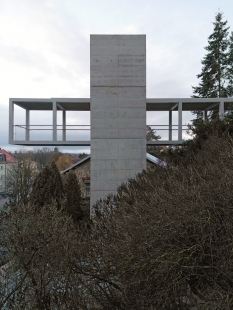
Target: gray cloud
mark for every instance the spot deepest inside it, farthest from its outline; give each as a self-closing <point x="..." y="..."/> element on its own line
<point x="24" y="57"/>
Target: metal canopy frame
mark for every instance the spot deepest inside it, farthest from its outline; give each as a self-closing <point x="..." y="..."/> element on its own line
<point x="84" y="104"/>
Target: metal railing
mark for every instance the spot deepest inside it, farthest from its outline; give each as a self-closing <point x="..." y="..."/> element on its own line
<point x="64" y="131"/>
<point x="29" y="127"/>
<point x="168" y="126"/>
<point x="169" y="129"/>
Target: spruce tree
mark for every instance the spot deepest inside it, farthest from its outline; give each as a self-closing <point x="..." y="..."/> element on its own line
<point x="56" y="186"/>
<point x="230" y="67"/>
<point x="72" y="192"/>
<point x="47" y="188"/>
<point x="215" y="76"/>
<point x="151" y="136"/>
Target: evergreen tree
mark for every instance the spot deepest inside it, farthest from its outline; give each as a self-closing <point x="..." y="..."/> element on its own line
<point x="73" y="197"/>
<point x="40" y="192"/>
<point x="151" y="136"/>
<point x="47" y="188"/>
<point x="82" y="155"/>
<point x="230" y="67"/>
<point x="201" y="132"/>
<point x="215" y="77"/>
<point x="56" y="186"/>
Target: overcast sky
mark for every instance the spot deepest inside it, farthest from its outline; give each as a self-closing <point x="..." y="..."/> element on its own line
<point x="45" y="48"/>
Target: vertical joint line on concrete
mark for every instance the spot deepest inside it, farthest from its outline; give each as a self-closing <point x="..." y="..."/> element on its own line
<point x="54" y="121"/>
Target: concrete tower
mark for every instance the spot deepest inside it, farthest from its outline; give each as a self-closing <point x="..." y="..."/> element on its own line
<point x="118" y="111"/>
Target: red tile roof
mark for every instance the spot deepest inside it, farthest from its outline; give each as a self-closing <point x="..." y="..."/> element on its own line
<point x="9" y="158"/>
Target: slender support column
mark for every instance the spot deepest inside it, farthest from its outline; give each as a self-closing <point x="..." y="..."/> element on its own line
<point x="27" y="132"/>
<point x="11" y="122"/>
<point x="170" y="126"/>
<point x="180" y="121"/>
<point x="205" y="116"/>
<point x="54" y="121"/>
<point x="221" y="109"/>
<point x="64" y="125"/>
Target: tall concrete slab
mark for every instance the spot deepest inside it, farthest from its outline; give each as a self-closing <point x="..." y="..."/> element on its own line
<point x="118" y="111"/>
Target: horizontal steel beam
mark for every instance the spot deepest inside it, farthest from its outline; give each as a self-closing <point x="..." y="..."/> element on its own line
<point x="187" y="100"/>
<point x="52" y="143"/>
<point x="164" y="142"/>
<point x="65" y="101"/>
<point x="86" y="143"/>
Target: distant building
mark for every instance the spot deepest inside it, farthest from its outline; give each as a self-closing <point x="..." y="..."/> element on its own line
<point x="82" y="171"/>
<point x="7" y="161"/>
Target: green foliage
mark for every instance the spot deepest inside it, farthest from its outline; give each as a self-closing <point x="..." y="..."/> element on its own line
<point x="201" y="132"/>
<point x="216" y="75"/>
<point x="82" y="155"/>
<point x="72" y="202"/>
<point x="151" y="136"/>
<point x="47" y="188"/>
<point x="230" y="69"/>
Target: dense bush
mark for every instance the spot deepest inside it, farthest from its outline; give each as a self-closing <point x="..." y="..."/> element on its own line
<point x="200" y="131"/>
<point x="163" y="242"/>
<point x="167" y="237"/>
<point x="41" y="244"/>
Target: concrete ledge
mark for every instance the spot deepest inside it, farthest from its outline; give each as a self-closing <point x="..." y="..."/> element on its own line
<point x="51" y="143"/>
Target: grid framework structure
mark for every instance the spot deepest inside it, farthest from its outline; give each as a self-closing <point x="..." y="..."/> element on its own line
<point x="64" y="105"/>
<point x="118" y="106"/>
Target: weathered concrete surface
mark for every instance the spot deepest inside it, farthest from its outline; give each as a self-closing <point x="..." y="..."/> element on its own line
<point x="118" y="111"/>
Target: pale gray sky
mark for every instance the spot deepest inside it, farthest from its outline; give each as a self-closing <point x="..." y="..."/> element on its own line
<point x="44" y="48"/>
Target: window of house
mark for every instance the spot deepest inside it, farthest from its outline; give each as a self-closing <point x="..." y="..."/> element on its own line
<point x="87" y="190"/>
<point x="1" y="167"/>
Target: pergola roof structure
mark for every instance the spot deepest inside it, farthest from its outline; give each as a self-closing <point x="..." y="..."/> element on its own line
<point x="152" y="104"/>
<point x="84" y="104"/>
<point x="67" y="104"/>
<point x="188" y="104"/>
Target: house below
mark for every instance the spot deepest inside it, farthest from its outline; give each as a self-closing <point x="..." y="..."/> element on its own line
<point x="7" y="162"/>
<point x="82" y="171"/>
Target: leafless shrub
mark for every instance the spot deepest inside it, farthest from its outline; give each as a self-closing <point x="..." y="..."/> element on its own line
<point x="41" y="245"/>
<point x="165" y="241"/>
